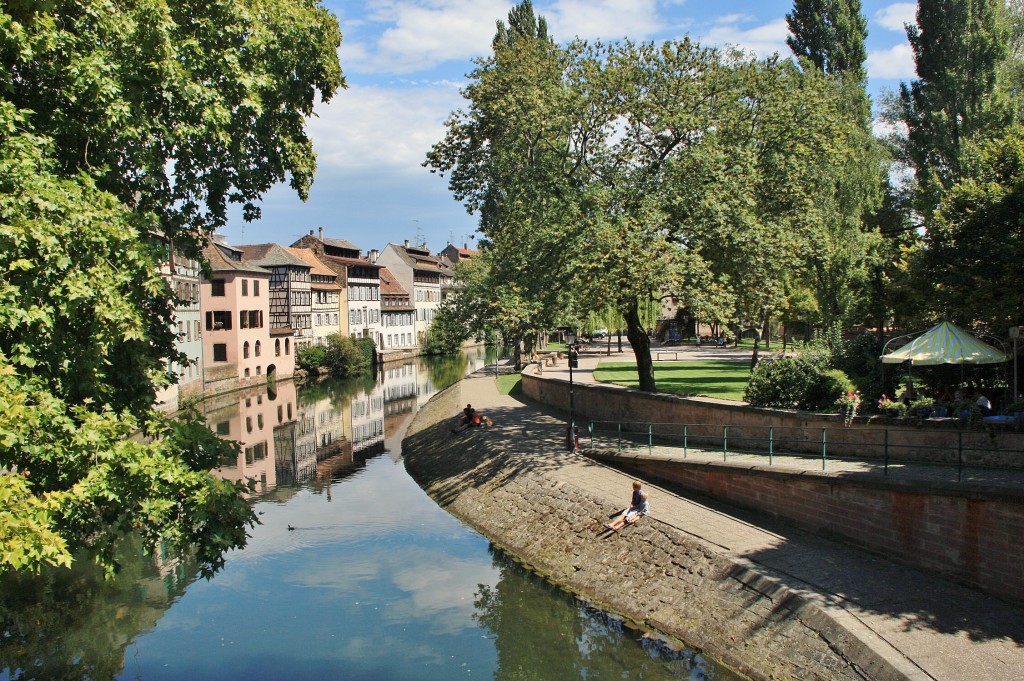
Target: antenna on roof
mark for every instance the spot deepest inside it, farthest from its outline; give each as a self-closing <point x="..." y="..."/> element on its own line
<point x="420" y="239"/>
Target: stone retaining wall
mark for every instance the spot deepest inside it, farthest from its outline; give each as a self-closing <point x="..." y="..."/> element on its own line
<point x="930" y="440"/>
<point x="650" y="573"/>
<point x="969" y="534"/>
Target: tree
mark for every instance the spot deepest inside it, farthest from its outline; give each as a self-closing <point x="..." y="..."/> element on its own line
<point x="975" y="243"/>
<point x="176" y="108"/>
<point x="830" y="34"/>
<point x="959" y="47"/>
<point x="118" y="122"/>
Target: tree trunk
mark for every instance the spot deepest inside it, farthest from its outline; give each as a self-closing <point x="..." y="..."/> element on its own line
<point x="757" y="340"/>
<point x="641" y="343"/>
<point x="766" y="333"/>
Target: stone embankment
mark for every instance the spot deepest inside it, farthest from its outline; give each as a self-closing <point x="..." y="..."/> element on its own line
<point x="652" y="574"/>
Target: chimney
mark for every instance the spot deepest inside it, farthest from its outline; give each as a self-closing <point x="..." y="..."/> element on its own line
<point x="407" y="243"/>
<point x="311" y="232"/>
<point x="373" y="256"/>
<point x="465" y="246"/>
<point x="321" y="234"/>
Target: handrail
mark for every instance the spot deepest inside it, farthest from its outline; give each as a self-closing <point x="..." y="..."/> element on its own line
<point x="838" y="445"/>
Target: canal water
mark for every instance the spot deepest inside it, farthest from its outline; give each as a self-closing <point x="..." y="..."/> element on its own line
<point x="353" y="572"/>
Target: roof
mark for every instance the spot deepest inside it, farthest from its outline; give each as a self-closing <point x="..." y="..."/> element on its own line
<point x="271" y="255"/>
<point x="418" y="258"/>
<point x="348" y="262"/>
<point x="389" y="284"/>
<point x="317" y="265"/>
<point x="219" y="255"/>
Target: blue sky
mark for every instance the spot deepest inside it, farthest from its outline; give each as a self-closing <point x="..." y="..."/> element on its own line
<point x="405" y="61"/>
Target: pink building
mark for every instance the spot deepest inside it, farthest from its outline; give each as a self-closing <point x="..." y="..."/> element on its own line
<point x="238" y="348"/>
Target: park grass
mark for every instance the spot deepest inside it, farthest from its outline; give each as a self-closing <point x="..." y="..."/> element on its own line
<point x="510" y="384"/>
<point x="707" y="378"/>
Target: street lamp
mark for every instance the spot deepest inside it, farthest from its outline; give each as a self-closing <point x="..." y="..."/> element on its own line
<point x="571" y="440"/>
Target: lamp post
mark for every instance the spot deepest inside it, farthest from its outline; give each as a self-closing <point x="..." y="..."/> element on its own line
<point x="1015" y="334"/>
<point x="571" y="441"/>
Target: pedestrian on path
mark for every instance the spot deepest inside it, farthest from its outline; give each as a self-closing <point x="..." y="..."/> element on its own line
<point x="632" y="515"/>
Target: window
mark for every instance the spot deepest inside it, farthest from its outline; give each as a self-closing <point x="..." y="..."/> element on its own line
<point x="277" y="347"/>
<point x="255" y="287"/>
<point x="219" y="319"/>
<point x="217" y="287"/>
<point x="220" y="352"/>
<point x="245" y="287"/>
<point x="224" y="428"/>
<point x="245" y="350"/>
<point x="288" y="351"/>
<point x="258" y="348"/>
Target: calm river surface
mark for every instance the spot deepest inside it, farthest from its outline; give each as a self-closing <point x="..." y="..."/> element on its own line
<point x="354" y="573"/>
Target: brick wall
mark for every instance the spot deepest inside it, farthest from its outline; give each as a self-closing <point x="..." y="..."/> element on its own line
<point x="966" y="533"/>
<point x="971" y="534"/>
<point x="931" y="440"/>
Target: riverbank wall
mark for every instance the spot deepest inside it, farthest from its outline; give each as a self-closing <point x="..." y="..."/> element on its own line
<point x="966" y="532"/>
<point x="652" y="574"/>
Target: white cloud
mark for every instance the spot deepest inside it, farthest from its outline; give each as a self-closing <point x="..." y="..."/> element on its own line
<point x="897" y="62"/>
<point x="421" y="34"/>
<point x="593" y="19"/>
<point x="764" y="40"/>
<point x="895" y="16"/>
<point x="382" y="128"/>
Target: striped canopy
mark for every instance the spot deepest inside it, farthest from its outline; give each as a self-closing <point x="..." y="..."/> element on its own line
<point x="945" y="343"/>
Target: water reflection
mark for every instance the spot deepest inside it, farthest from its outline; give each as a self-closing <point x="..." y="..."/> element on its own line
<point x="353" y="572"/>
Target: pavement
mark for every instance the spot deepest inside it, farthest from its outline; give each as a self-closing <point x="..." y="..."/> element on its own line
<point x="925" y="626"/>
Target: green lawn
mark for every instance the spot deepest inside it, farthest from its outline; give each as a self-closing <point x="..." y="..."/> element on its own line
<point x="510" y="384"/>
<point x="712" y="378"/>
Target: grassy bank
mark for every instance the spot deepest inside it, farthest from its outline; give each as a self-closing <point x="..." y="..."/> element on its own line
<point x="708" y="378"/>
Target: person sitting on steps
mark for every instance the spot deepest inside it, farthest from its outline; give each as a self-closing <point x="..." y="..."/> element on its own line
<point x="631" y="516"/>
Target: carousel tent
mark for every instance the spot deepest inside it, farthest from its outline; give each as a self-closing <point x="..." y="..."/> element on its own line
<point x="945" y="343"/>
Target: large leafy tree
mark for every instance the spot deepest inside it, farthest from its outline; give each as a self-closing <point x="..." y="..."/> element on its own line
<point x="959" y="47"/>
<point x="119" y="121"/>
<point x="829" y="35"/>
<point x="975" y="242"/>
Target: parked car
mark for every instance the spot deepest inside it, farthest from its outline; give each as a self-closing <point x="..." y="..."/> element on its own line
<point x="600" y="333"/>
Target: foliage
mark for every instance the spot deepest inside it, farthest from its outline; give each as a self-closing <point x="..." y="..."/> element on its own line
<point x="116" y="123"/>
<point x="310" y="358"/>
<point x="849" y="404"/>
<point x="958" y="50"/>
<point x="830" y="34"/>
<point x="976" y="239"/>
<point x="446" y="333"/>
<point x="175" y="108"/>
<point x="797" y="382"/>
<point x="823" y="387"/>
<point x="345" y="356"/>
<point x="888" y="406"/>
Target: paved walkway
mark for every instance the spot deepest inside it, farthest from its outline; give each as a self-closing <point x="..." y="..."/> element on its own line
<point x="925" y="626"/>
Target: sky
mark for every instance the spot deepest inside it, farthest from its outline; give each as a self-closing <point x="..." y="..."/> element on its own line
<point x="405" y="62"/>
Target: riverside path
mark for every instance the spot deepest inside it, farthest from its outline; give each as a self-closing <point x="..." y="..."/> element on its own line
<point x="921" y="625"/>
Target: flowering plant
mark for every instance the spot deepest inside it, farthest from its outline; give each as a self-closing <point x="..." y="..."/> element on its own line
<point x="849" y="404"/>
<point x="887" y="405"/>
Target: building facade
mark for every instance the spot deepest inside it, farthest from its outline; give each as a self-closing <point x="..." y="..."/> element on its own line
<point x="420" y="273"/>
<point x="238" y="347"/>
<point x="290" y="289"/>
<point x="398" y="315"/>
<point x="362" y="283"/>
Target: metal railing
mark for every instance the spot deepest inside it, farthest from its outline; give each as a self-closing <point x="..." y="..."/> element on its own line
<point x="873" y="447"/>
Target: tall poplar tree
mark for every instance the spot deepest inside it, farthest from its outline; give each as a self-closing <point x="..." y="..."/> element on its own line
<point x="959" y="46"/>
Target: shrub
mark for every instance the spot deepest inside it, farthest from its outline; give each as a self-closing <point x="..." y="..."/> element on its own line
<point x="795" y="383"/>
<point x="346" y="356"/>
<point x="823" y="388"/>
<point x="311" y="357"/>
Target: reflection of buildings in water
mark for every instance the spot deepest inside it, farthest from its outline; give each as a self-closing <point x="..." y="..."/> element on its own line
<point x="253" y="419"/>
<point x="400" y="385"/>
<point x="317" y="434"/>
<point x="367" y="419"/>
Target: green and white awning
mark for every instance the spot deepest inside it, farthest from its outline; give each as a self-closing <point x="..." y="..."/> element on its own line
<point x="945" y="343"/>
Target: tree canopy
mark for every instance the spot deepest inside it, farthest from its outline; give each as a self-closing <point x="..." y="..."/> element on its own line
<point x="119" y="122"/>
